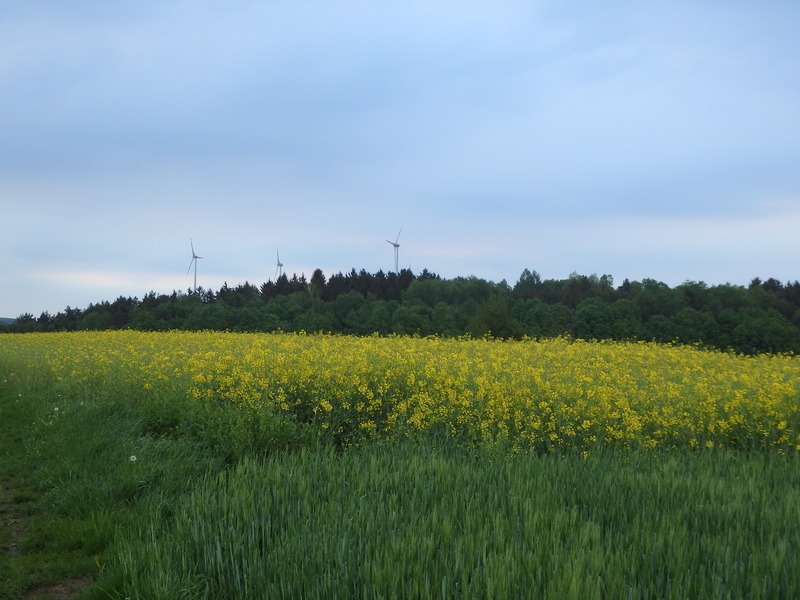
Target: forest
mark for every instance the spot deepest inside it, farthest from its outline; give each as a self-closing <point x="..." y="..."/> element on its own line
<point x="763" y="317"/>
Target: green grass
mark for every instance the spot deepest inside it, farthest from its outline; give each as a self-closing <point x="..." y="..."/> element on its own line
<point x="69" y="488"/>
<point x="406" y="521"/>
<point x="192" y="518"/>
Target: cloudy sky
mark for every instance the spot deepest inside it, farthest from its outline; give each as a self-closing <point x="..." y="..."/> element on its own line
<point x="630" y="138"/>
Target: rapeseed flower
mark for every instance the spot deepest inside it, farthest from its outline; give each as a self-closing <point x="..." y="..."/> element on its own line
<point x="549" y="395"/>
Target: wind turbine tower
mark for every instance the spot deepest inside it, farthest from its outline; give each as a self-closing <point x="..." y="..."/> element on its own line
<point x="194" y="260"/>
<point x="396" y="249"/>
<point x="278" y="270"/>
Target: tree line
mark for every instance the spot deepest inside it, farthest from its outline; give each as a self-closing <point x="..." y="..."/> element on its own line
<point x="761" y="317"/>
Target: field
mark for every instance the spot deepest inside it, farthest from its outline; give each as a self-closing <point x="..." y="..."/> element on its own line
<point x="208" y="465"/>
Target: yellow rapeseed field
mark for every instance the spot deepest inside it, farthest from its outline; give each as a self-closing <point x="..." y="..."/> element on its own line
<point x="549" y="395"/>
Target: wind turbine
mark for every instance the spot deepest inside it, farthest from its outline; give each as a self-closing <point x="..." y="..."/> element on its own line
<point x="280" y="265"/>
<point x="396" y="249"/>
<point x="194" y="260"/>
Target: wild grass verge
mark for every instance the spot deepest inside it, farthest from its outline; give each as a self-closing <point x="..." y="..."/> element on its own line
<point x="69" y="486"/>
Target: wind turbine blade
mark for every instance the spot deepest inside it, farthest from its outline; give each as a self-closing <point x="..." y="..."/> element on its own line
<point x="190" y="265"/>
<point x="398" y="235"/>
<point x="192" y="245"/>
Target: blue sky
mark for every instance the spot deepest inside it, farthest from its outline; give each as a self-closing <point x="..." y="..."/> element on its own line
<point x="629" y="138"/>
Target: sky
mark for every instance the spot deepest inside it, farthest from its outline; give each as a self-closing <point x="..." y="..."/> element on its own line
<point x="635" y="139"/>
